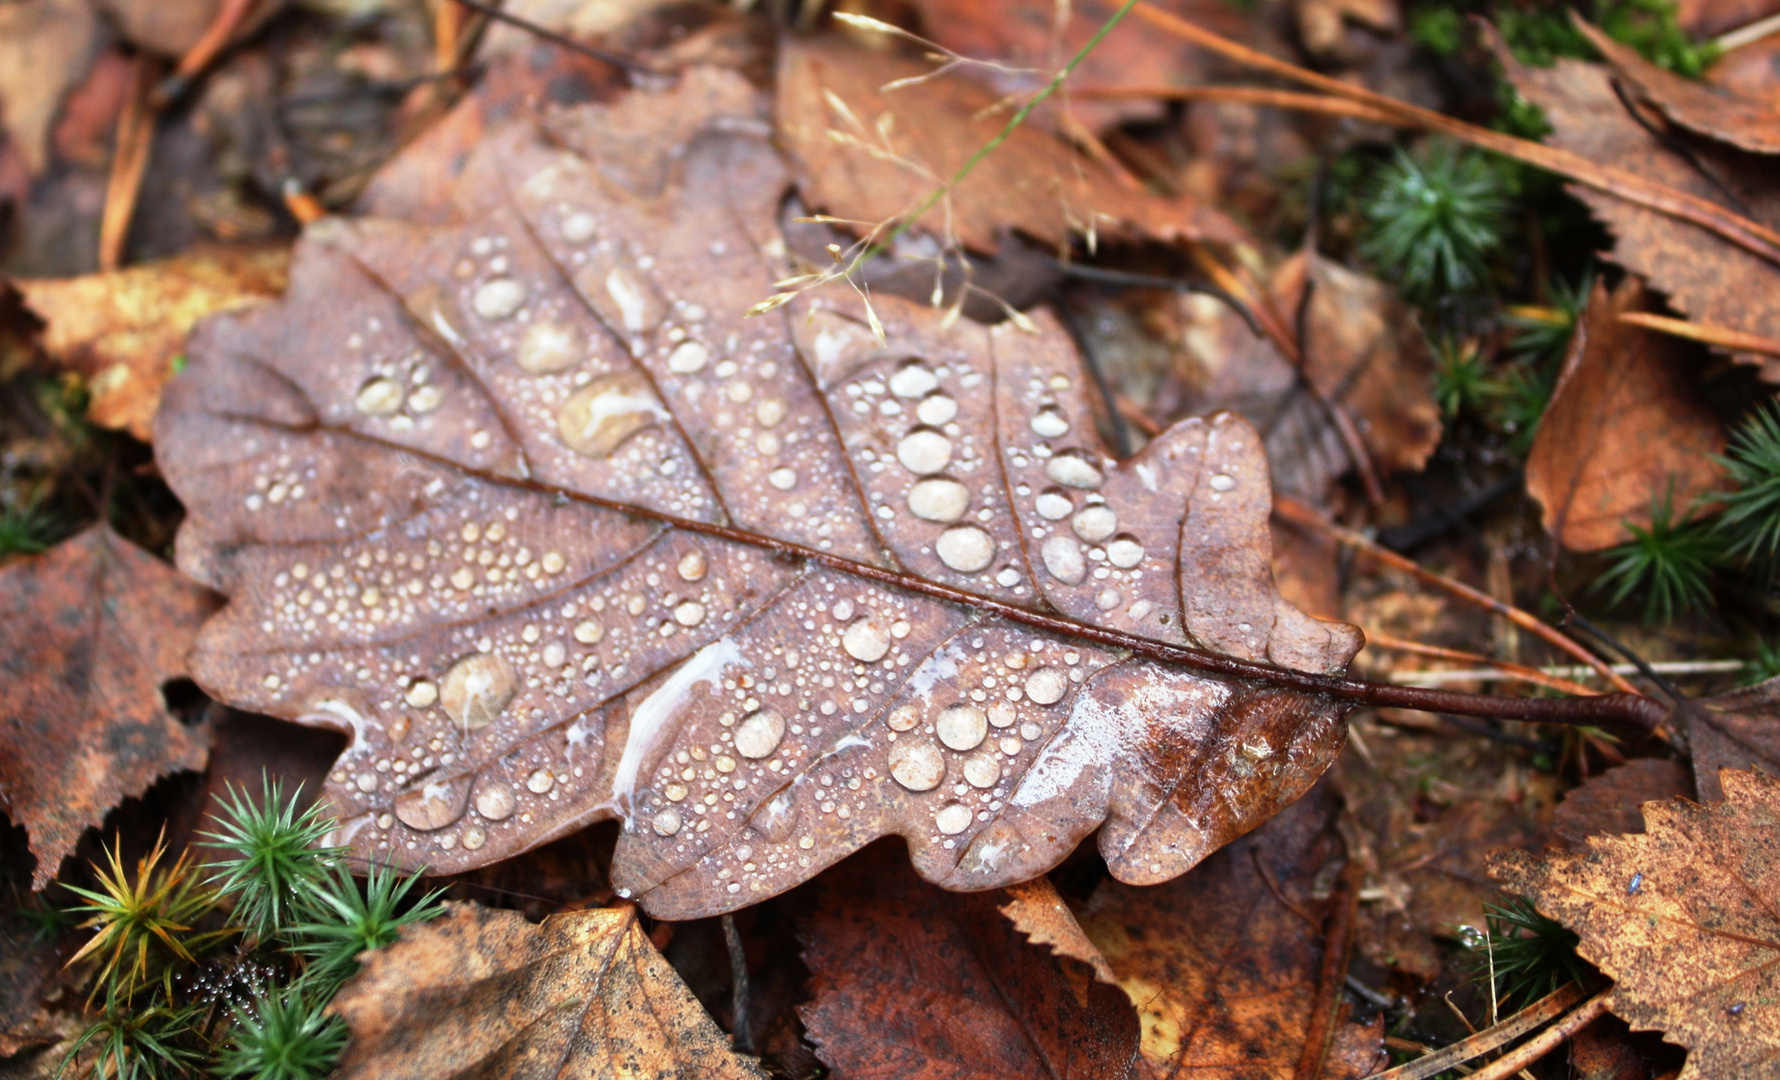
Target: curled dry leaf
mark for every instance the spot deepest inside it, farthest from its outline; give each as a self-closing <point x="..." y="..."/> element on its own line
<point x="1750" y="123"/>
<point x="529" y="509"/>
<point x="1684" y="920"/>
<point x="123" y="330"/>
<point x="909" y="981"/>
<point x="480" y="993"/>
<point x="1709" y="279"/>
<point x="1222" y="964"/>
<point x="1738" y="730"/>
<point x="1625" y="424"/>
<point x="88" y="634"/>
<point x="872" y="155"/>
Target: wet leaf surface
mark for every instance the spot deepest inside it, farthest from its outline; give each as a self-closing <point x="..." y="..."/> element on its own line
<point x="1624" y="427"/>
<point x="1736" y="730"/>
<point x="1611" y="804"/>
<point x="123" y="331"/>
<point x="869" y="155"/>
<point x="1705" y="277"/>
<point x="1222" y="963"/>
<point x="483" y="993"/>
<point x="1749" y="123"/>
<point x="910" y="981"/>
<point x="1683" y="919"/>
<point x="88" y="634"/>
<point x="529" y="509"/>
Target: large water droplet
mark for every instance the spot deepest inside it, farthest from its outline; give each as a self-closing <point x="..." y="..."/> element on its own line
<point x="688" y="357"/>
<point x="953" y="819"/>
<point x="939" y="499"/>
<point x="962" y="727"/>
<point x="498" y="299"/>
<point x="776" y="819"/>
<point x="1095" y="523"/>
<point x="1222" y="482"/>
<point x="666" y="823"/>
<point x="965" y="548"/>
<point x="982" y="770"/>
<point x="421" y="693"/>
<point x="1074" y="470"/>
<point x="1063" y="559"/>
<point x="759" y="733"/>
<point x="381" y="396"/>
<point x="912" y="381"/>
<point x="936" y="410"/>
<point x="476" y="690"/>
<point x="1124" y="552"/>
<point x="599" y="417"/>
<point x="1047" y="685"/>
<point x="433" y="806"/>
<point x="1049" y="422"/>
<point x="866" y="639"/>
<point x="495" y="800"/>
<point x="924" y="452"/>
<point x="548" y="347"/>
<point x="917" y="765"/>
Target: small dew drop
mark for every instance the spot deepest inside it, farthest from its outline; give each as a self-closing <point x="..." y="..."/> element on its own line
<point x="589" y="631"/>
<point x="498" y="299"/>
<point x="1053" y="505"/>
<point x="540" y="781"/>
<point x="1222" y="481"/>
<point x="379" y="397"/>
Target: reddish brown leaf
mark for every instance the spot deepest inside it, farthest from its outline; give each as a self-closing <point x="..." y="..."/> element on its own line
<point x="1625" y="426"/>
<point x="1683" y="919"/>
<point x="123" y="330"/>
<point x="529" y="509"/>
<point x="88" y="635"/>
<point x="485" y="994"/>
<point x="46" y="47"/>
<point x="1738" y="730"/>
<point x="1222" y="964"/>
<point x="1750" y="123"/>
<point x="909" y="981"/>
<point x="869" y="155"/>
<point x="1611" y="804"/>
<point x="1709" y="279"/>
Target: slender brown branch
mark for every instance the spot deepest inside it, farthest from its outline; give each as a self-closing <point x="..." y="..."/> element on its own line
<point x="129" y="164"/>
<point x="1338" y="935"/>
<point x="1297" y="513"/>
<point x="1749" y="235"/>
<point x="1543" y="1011"/>
<point x="1247" y="95"/>
<point x="1518" y="671"/>
<point x="1723" y="337"/>
<point x="1546" y="1041"/>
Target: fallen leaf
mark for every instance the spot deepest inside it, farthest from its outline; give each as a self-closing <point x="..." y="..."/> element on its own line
<point x="1222" y="964"/>
<point x="871" y="155"/>
<point x="1683" y="920"/>
<point x="1709" y="279"/>
<point x="88" y="634"/>
<point x="1738" y="730"/>
<point x="530" y="509"/>
<point x="123" y="330"/>
<point x="172" y="27"/>
<point x="483" y="993"/>
<point x="1611" y="804"/>
<point x="1710" y="18"/>
<point x="909" y="981"/>
<point x="45" y="49"/>
<point x="1750" y="123"/>
<point x="1625" y="427"/>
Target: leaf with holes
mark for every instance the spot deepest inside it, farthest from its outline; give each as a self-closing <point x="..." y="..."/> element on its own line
<point x="528" y="508"/>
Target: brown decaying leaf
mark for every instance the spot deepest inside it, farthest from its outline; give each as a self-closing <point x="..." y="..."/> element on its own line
<point x="88" y="634"/>
<point x="122" y="330"/>
<point x="45" y="49"/>
<point x="171" y="27"/>
<point x="909" y="981"/>
<point x="1222" y="971"/>
<point x="872" y="156"/>
<point x="1749" y="123"/>
<point x="528" y="508"/>
<point x="1610" y="804"/>
<point x="481" y="993"/>
<point x="1625" y="426"/>
<point x="1684" y="920"/>
<point x="1704" y="276"/>
<point x="1738" y="730"/>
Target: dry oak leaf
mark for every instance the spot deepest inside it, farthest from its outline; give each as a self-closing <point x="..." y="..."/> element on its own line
<point x="481" y="993"/>
<point x="530" y="510"/>
<point x="1686" y="921"/>
<point x="1611" y="803"/>
<point x="1625" y="424"/>
<point x="1705" y="277"/>
<point x="1736" y="730"/>
<point x="123" y="330"/>
<point x="907" y="980"/>
<point x="870" y="154"/>
<point x="89" y="632"/>
<point x="1749" y="123"/>
<point x="1222" y="971"/>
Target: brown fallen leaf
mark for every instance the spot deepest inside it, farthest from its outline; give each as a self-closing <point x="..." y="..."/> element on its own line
<point x="868" y="155"/>
<point x="481" y="993"/>
<point x="1750" y="123"/>
<point x="1611" y="804"/>
<point x="1625" y="425"/>
<point x="46" y="47"/>
<point x="172" y="27"/>
<point x="1738" y="730"/>
<point x="529" y="509"/>
<point x="1683" y="919"/>
<point x="1222" y="964"/>
<point x="909" y="981"/>
<point x="123" y="330"/>
<point x="88" y="634"/>
<point x="1710" y="280"/>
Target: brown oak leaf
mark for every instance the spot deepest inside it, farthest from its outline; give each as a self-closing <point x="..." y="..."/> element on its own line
<point x="1736" y="730"/>
<point x="1611" y="804"/>
<point x="88" y="634"/>
<point x="1686" y="921"/>
<point x="1222" y="964"/>
<point x="1625" y="425"/>
<point x="481" y="993"/>
<point x="910" y="981"/>
<point x="1705" y="277"/>
<point x="871" y="154"/>
<point x="528" y="508"/>
<point x="1749" y="123"/>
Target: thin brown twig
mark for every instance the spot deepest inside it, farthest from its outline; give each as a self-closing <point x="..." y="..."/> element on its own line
<point x="1296" y="512"/>
<point x="129" y="163"/>
<point x="1247" y="95"/>
<point x="1543" y="1011"/>
<point x="1338" y="934"/>
<point x="1517" y="671"/>
<point x="1546" y="1041"/>
<point x="1723" y="337"/>
<point x="1751" y="236"/>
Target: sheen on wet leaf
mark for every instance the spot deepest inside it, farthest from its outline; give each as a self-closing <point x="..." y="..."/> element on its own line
<point x="525" y="505"/>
